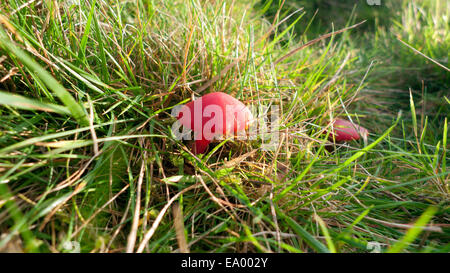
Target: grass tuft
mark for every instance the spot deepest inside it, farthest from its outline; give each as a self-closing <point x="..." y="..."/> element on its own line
<point x="88" y="157"/>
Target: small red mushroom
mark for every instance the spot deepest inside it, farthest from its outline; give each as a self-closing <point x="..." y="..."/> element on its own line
<point x="214" y="115"/>
<point x="344" y="130"/>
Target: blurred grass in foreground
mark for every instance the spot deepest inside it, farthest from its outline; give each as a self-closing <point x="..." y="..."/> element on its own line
<point x="87" y="155"/>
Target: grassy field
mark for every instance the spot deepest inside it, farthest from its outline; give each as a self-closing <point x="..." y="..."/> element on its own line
<point x="88" y="160"/>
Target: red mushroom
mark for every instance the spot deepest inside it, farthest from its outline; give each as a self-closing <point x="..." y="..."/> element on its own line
<point x="214" y="115"/>
<point x="344" y="130"/>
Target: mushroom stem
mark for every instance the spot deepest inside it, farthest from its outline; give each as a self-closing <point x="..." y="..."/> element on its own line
<point x="200" y="146"/>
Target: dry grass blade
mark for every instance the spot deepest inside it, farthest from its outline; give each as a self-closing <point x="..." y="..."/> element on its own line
<point x="405" y="226"/>
<point x="179" y="228"/>
<point x="295" y="50"/>
<point x="47" y="218"/>
<point x="423" y="55"/>
<point x="217" y="77"/>
<point x="219" y="201"/>
<point x="91" y="126"/>
<point x="158" y="219"/>
<point x="117" y="178"/>
<point x="98" y="211"/>
<point x="116" y="232"/>
<point x="133" y="233"/>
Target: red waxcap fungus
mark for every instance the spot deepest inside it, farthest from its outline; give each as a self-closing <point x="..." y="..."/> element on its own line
<point x="213" y="115"/>
<point x="344" y="130"/>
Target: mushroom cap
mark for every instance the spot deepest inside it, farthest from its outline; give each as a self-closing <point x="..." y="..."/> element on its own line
<point x="213" y="115"/>
<point x="344" y="130"/>
<point x="232" y="116"/>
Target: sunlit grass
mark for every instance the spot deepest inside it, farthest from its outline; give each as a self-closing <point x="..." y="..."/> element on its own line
<point x="87" y="153"/>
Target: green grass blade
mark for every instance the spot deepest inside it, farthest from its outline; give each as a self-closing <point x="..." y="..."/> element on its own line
<point x="30" y="104"/>
<point x="75" y="109"/>
<point x="413" y="232"/>
<point x="87" y="30"/>
<point x="308" y="238"/>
